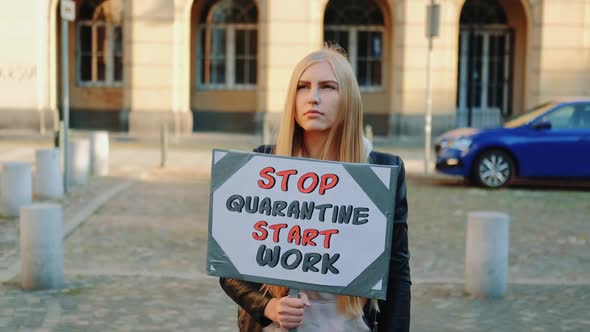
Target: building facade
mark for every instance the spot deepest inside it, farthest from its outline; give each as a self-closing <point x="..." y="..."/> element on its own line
<point x="225" y="64"/>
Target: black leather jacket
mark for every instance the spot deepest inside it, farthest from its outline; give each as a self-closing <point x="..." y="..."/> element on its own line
<point x="394" y="315"/>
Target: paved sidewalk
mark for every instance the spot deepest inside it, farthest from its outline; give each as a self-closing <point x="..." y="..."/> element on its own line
<point x="138" y="262"/>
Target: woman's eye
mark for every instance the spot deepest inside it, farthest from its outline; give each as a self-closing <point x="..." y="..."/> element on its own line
<point x="329" y="86"/>
<point x="299" y="87"/>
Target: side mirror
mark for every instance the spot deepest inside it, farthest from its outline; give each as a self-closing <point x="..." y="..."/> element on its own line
<point x="542" y="125"/>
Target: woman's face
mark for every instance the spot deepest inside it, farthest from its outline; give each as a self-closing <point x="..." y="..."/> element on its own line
<point x="316" y="104"/>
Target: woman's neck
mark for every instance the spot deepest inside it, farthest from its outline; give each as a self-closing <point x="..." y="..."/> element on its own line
<point x="313" y="144"/>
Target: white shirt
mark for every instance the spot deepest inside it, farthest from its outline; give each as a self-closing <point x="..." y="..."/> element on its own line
<point x="323" y="316"/>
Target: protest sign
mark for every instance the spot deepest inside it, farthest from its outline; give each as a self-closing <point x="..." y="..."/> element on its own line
<point x="301" y="223"/>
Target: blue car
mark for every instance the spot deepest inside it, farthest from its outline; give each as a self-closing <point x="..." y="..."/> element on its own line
<point x="551" y="140"/>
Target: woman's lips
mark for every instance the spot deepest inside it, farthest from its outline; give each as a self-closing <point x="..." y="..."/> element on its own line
<point x="313" y="112"/>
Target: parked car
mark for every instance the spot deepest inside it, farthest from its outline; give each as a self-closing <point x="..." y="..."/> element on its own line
<point x="551" y="140"/>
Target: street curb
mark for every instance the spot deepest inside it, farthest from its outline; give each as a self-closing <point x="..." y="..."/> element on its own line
<point x="73" y="223"/>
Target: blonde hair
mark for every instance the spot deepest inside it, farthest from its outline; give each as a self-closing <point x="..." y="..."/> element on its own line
<point x="345" y="137"/>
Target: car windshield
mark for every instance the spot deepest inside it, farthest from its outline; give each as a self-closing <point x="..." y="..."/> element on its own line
<point x="528" y="116"/>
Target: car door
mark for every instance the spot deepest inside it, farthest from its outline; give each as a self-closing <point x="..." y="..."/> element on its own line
<point x="554" y="144"/>
<point x="581" y="120"/>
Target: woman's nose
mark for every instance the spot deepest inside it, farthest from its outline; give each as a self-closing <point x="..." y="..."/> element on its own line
<point x="314" y="96"/>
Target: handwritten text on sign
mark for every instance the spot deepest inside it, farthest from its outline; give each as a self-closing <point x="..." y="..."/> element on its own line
<point x="295" y="220"/>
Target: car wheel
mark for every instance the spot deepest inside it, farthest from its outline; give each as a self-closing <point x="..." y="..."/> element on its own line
<point x="493" y="169"/>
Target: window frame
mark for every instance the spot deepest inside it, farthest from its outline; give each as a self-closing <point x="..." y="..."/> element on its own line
<point x="108" y="54"/>
<point x="230" y="30"/>
<point x="352" y="54"/>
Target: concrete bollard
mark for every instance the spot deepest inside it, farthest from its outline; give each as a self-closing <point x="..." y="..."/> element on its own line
<point x="41" y="246"/>
<point x="48" y="178"/>
<point x="99" y="153"/>
<point x="78" y="161"/>
<point x="17" y="189"/>
<point x="486" y="253"/>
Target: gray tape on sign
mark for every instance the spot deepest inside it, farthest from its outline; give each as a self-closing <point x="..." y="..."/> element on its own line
<point x="227" y="166"/>
<point x="218" y="263"/>
<point x="373" y="187"/>
<point x="369" y="277"/>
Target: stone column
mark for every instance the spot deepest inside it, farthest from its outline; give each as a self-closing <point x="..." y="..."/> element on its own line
<point x="410" y="71"/>
<point x="288" y="30"/>
<point x="152" y="81"/>
<point x="24" y="68"/>
<point x="47" y="111"/>
<point x="564" y="48"/>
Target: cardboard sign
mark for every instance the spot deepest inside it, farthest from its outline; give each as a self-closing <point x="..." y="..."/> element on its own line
<point x="301" y="223"/>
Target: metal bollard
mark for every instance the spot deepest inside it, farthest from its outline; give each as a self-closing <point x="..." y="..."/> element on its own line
<point x="163" y="145"/>
<point x="486" y="253"/>
<point x="41" y="246"/>
<point x="78" y="161"/>
<point x="99" y="153"/>
<point x="17" y="187"/>
<point x="48" y="178"/>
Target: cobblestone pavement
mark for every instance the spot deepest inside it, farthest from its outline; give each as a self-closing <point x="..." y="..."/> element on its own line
<point x="138" y="263"/>
<point x="156" y="226"/>
<point x="549" y="230"/>
<point x="71" y="205"/>
<point x="144" y="303"/>
<point x="445" y="307"/>
<point x="107" y="303"/>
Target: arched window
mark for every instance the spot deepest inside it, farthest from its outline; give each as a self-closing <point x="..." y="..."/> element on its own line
<point x="358" y="26"/>
<point x="228" y="44"/>
<point x="99" y="51"/>
<point x="482" y="12"/>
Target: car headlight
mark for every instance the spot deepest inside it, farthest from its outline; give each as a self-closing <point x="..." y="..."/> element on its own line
<point x="461" y="143"/>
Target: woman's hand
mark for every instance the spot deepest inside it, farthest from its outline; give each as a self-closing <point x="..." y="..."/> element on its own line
<point x="287" y="312"/>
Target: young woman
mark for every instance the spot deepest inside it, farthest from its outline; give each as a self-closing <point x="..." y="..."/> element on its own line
<point x="323" y="120"/>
